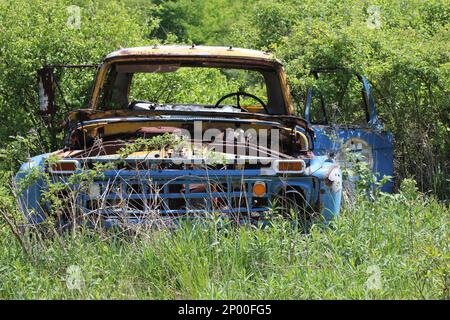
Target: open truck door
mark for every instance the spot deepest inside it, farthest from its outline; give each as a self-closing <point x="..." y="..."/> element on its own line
<point x="341" y="109"/>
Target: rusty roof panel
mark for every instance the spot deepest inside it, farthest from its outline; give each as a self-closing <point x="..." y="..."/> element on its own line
<point x="193" y="51"/>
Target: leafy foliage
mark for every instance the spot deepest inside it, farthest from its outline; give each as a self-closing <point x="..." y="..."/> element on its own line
<point x="156" y="143"/>
<point x="401" y="46"/>
<point x="38" y="33"/>
<point x="198" y="21"/>
<point x="195" y="85"/>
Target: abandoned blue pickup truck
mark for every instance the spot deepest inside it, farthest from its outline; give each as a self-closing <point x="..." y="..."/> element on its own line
<point x="196" y="132"/>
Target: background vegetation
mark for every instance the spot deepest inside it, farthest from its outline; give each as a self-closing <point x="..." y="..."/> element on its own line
<point x="403" y="48"/>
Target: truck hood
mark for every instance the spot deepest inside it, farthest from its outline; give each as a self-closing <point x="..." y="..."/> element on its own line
<point x="84" y="115"/>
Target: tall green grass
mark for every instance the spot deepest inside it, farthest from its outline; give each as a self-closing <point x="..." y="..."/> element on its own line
<point x="399" y="242"/>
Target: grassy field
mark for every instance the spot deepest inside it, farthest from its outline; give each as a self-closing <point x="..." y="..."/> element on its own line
<point x="396" y="247"/>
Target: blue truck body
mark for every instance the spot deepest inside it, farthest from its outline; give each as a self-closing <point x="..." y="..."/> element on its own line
<point x="306" y="173"/>
<point x="320" y="194"/>
<point x="332" y="138"/>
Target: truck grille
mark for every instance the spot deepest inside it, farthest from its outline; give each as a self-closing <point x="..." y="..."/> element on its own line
<point x="178" y="196"/>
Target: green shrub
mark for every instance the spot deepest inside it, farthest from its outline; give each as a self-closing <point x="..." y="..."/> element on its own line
<point x="37" y="33"/>
<point x="404" y="55"/>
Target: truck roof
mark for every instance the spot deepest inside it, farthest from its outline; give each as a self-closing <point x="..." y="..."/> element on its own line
<point x="193" y="51"/>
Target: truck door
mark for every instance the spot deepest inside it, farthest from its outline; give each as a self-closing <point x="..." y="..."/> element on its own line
<point x="341" y="109"/>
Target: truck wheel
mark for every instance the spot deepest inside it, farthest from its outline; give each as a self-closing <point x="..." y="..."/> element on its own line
<point x="294" y="206"/>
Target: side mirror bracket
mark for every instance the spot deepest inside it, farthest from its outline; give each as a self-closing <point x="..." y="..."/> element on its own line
<point x="46" y="90"/>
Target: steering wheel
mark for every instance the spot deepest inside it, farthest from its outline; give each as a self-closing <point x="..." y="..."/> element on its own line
<point x="238" y="95"/>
